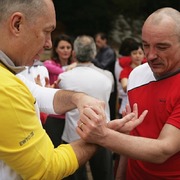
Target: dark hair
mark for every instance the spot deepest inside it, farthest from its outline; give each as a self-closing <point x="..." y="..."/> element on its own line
<point x="128" y="45"/>
<point x="102" y="35"/>
<point x="62" y="37"/>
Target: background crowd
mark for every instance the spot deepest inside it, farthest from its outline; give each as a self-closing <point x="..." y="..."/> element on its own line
<point x="75" y="64"/>
<point x="87" y="96"/>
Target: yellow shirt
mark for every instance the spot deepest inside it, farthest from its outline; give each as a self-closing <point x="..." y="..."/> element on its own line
<point x="24" y="145"/>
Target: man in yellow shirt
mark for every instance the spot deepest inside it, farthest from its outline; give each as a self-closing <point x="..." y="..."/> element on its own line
<point x="26" y="151"/>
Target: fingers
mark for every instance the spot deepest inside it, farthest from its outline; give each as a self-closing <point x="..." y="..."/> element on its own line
<point x="127" y="110"/>
<point x="56" y="83"/>
<point x="37" y="80"/>
<point x="91" y="121"/>
<point x="47" y="82"/>
<point x="142" y="116"/>
<point x="119" y="123"/>
<point x="88" y="118"/>
<point x="129" y="120"/>
<point x="80" y="126"/>
<point x="95" y="112"/>
<point x="135" y="109"/>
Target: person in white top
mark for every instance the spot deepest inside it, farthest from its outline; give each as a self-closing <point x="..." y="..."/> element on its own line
<point x="37" y="70"/>
<point x="88" y="78"/>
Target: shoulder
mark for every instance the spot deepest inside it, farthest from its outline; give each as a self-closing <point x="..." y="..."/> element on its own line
<point x="104" y="72"/>
<point x="13" y="88"/>
<point x="49" y="62"/>
<point x="109" y="50"/>
<point x="140" y="75"/>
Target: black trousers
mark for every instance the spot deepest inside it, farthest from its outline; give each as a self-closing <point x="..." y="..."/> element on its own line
<point x="54" y="128"/>
<point x="101" y="165"/>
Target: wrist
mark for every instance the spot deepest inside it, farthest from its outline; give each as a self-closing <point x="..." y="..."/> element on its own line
<point x="76" y="98"/>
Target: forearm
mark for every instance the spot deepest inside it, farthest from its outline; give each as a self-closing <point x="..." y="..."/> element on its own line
<point x="84" y="151"/>
<point x="65" y="100"/>
<point x="140" y="148"/>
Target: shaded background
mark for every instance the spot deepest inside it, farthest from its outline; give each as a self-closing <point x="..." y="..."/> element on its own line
<point x="77" y="17"/>
<point x="118" y="18"/>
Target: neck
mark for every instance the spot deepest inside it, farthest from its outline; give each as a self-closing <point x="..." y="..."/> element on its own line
<point x="63" y="62"/>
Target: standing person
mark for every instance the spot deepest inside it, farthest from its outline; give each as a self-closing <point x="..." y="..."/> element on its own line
<point x="152" y="148"/>
<point x="96" y="82"/>
<point x="37" y="70"/>
<point x="105" y="59"/>
<point x="26" y="151"/>
<point x="61" y="58"/>
<point x="136" y="57"/>
<point x="37" y="73"/>
<point x="123" y="61"/>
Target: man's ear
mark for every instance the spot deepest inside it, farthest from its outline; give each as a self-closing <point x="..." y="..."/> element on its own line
<point x="16" y="21"/>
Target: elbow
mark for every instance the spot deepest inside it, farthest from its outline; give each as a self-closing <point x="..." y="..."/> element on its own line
<point x="162" y="157"/>
<point x="160" y="160"/>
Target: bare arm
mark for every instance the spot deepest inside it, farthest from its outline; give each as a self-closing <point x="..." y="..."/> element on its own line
<point x="83" y="150"/>
<point x="124" y="82"/>
<point x="65" y="100"/>
<point x="146" y="149"/>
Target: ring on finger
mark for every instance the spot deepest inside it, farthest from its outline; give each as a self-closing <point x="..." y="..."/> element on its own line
<point x="80" y="126"/>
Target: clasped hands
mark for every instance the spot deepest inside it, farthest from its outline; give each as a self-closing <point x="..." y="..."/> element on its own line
<point x="93" y="126"/>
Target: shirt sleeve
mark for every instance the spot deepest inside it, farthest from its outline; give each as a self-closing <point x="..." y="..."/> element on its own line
<point x="44" y="96"/>
<point x="53" y="68"/>
<point x="123" y="74"/>
<point x="24" y="144"/>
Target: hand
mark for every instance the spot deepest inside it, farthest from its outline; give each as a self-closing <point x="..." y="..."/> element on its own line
<point x="127" y="123"/>
<point x="38" y="80"/>
<point x="54" y="85"/>
<point x="92" y="126"/>
<point x="71" y="66"/>
<point x="82" y="101"/>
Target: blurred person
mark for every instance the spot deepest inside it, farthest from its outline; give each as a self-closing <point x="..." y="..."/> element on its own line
<point x="105" y="59"/>
<point x="152" y="148"/>
<point x="122" y="61"/>
<point x="136" y="57"/>
<point x="96" y="82"/>
<point x="37" y="70"/>
<point x="37" y="73"/>
<point x="61" y="58"/>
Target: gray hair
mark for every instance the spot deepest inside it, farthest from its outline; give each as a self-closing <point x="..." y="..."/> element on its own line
<point x="85" y="48"/>
<point x="162" y="14"/>
<point x="30" y="8"/>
